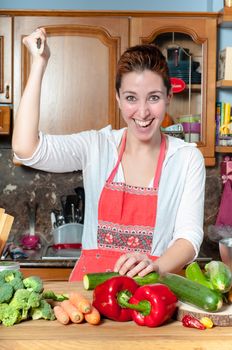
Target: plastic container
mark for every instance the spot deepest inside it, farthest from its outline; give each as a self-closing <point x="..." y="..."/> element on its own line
<point x="68" y="233"/>
<point x="190" y="118"/>
<point x="192" y="127"/>
<point x="9" y="265"/>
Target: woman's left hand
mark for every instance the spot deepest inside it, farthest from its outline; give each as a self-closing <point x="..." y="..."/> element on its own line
<point x="132" y="264"/>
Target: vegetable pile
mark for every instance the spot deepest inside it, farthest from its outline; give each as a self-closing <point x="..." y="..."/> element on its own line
<point x="22" y="298"/>
<point x="151" y="300"/>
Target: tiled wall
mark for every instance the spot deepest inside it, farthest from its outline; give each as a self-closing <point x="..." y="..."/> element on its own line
<point x="20" y="184"/>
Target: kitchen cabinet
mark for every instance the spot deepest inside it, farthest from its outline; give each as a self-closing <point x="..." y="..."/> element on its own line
<point x="48" y="274"/>
<point x="197" y="35"/>
<point x="5" y="120"/>
<point x="225" y="21"/>
<point x="5" y="59"/>
<point x="78" y="90"/>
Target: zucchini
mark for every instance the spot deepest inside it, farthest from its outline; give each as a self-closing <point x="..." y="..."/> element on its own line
<point x="219" y="275"/>
<point x="192" y="292"/>
<point x="91" y="280"/>
<point x="194" y="273"/>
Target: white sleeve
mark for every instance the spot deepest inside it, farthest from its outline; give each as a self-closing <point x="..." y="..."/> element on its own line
<point x="60" y="153"/>
<point x="190" y="214"/>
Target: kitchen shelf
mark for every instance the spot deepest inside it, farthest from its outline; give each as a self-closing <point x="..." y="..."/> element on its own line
<point x="225" y="17"/>
<point x="224" y="84"/>
<point x="223" y="149"/>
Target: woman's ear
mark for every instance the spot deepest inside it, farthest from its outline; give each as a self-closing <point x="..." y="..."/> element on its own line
<point x="118" y="100"/>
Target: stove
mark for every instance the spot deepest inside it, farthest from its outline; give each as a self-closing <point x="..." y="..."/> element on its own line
<point x="50" y="253"/>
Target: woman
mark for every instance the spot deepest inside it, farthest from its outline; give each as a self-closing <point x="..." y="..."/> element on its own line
<point x="144" y="190"/>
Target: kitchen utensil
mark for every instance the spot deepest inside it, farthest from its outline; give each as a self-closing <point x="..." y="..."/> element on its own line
<point x="225" y="249"/>
<point x="68" y="234"/>
<point x="6" y="222"/>
<point x="31" y="240"/>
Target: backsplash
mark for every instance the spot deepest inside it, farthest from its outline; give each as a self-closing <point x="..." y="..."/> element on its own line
<point x="20" y="184"/>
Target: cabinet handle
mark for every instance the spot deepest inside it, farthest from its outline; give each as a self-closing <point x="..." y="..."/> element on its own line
<point x="7" y="95"/>
<point x="1" y="120"/>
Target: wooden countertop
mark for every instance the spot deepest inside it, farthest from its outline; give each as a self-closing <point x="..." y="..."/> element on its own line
<point x="111" y="335"/>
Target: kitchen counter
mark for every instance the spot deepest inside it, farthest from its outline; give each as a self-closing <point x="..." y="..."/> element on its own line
<point x="43" y="334"/>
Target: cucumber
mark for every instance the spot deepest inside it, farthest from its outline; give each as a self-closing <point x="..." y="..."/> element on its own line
<point x="219" y="275"/>
<point x="194" y="273"/>
<point x="91" y="280"/>
<point x="192" y="292"/>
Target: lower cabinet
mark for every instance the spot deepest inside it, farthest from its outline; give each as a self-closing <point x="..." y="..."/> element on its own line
<point x="48" y="274"/>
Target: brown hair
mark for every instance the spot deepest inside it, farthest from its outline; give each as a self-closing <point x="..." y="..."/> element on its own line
<point x="139" y="58"/>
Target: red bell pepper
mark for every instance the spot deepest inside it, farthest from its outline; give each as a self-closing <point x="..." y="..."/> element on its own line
<point x="107" y="297"/>
<point x="152" y="305"/>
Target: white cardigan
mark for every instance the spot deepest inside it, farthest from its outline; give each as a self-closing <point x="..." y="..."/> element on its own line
<point x="181" y="189"/>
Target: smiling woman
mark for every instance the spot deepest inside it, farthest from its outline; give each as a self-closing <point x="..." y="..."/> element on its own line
<point x="138" y="182"/>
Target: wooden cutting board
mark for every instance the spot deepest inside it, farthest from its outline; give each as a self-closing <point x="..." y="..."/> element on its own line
<point x="222" y="318"/>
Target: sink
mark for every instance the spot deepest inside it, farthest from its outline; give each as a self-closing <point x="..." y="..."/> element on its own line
<point x="60" y="254"/>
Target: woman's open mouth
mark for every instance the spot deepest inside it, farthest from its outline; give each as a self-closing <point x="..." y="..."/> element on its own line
<point x="143" y="123"/>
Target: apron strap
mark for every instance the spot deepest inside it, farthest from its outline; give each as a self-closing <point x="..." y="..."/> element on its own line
<point x="160" y="161"/>
<point x="122" y="148"/>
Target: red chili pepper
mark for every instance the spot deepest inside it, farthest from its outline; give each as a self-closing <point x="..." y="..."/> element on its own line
<point x="192" y="322"/>
<point x="108" y="295"/>
<point x="152" y="305"/>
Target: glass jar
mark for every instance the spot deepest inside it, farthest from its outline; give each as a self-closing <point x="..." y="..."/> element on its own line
<point x="9" y="265"/>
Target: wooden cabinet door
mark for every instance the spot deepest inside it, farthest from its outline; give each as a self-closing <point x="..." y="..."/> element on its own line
<point x="202" y="31"/>
<point x="5" y="120"/>
<point x="78" y="91"/>
<point x="5" y="60"/>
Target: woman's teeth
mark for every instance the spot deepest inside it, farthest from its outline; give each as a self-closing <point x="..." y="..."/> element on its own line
<point x="143" y="123"/>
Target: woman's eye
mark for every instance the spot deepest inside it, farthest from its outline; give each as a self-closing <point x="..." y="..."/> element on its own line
<point x="154" y="98"/>
<point x="130" y="98"/>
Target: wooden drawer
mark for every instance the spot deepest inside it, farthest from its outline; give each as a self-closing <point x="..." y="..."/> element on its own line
<point x="48" y="274"/>
<point x="4" y="120"/>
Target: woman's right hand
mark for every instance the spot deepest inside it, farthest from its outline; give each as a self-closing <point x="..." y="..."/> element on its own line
<point x="37" y="51"/>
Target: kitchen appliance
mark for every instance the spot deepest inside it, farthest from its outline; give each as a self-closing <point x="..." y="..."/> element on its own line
<point x="225" y="249"/>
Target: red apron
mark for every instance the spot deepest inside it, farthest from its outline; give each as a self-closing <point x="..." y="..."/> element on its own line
<point x="126" y="221"/>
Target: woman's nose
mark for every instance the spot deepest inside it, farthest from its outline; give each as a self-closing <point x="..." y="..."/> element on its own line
<point x="143" y="110"/>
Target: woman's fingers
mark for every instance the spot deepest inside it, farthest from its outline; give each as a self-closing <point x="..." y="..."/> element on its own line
<point x="36" y="43"/>
<point x="133" y="264"/>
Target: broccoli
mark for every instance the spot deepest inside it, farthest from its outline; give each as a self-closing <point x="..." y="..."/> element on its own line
<point x="8" y="315"/>
<point x="23" y="300"/>
<point x="9" y="275"/>
<point x="44" y="311"/>
<point x="12" y="277"/>
<point x="33" y="283"/>
<point x="49" y="294"/>
<point x="6" y="293"/>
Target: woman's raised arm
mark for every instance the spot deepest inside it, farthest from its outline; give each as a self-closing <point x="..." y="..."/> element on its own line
<point x="25" y="133"/>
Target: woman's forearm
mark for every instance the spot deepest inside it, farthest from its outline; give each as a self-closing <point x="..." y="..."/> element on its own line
<point x="25" y="134"/>
<point x="176" y="257"/>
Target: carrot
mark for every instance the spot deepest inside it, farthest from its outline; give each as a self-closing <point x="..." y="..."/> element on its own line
<point x="61" y="314"/>
<point x="75" y="315"/>
<point x="93" y="317"/>
<point x="82" y="303"/>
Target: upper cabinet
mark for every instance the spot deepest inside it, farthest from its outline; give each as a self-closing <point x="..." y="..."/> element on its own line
<point x="78" y="91"/>
<point x="5" y="60"/>
<point x="189" y="44"/>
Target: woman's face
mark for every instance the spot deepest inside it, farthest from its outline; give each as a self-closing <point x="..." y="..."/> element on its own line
<point x="143" y="101"/>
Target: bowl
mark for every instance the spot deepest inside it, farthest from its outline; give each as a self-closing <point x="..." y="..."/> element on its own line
<point x="225" y="249"/>
<point x="192" y="127"/>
